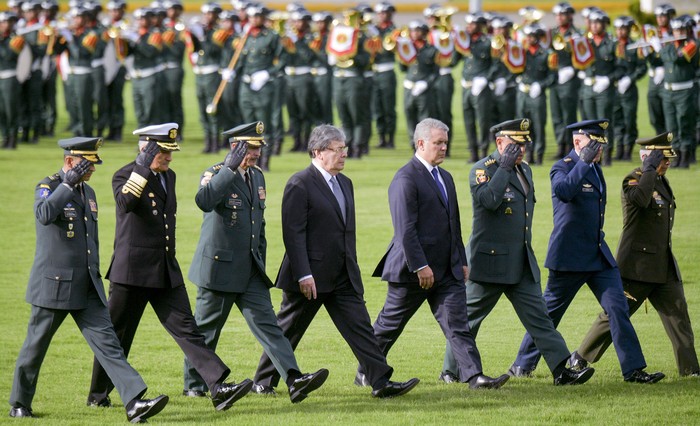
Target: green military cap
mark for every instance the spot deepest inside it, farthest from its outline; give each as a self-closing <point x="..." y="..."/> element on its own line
<point x="251" y="133"/>
<point x="82" y="147"/>
<point x="518" y="130"/>
<point x="660" y="142"/>
<point x="594" y="129"/>
<point x="165" y="135"/>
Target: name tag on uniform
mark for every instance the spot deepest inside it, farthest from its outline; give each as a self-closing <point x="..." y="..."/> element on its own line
<point x="508" y="195"/>
<point x="587" y="187"/>
<point x="658" y="199"/>
<point x="235" y="202"/>
<point x="69" y="212"/>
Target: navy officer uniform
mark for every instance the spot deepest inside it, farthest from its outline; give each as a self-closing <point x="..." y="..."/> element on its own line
<point x="65" y="279"/>
<point x="578" y="252"/>
<point x="144" y="269"/>
<point x="501" y="256"/>
<point x="229" y="264"/>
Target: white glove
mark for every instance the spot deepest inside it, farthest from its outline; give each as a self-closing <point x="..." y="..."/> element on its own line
<point x="197" y="31"/>
<point x="228" y="75"/>
<point x="658" y="75"/>
<point x="499" y="86"/>
<point x="623" y="85"/>
<point x="194" y="58"/>
<point x="419" y="87"/>
<point x="258" y="80"/>
<point x="66" y="34"/>
<point x="535" y="90"/>
<point x="478" y="85"/>
<point x="581" y="75"/>
<point x="601" y="83"/>
<point x="566" y="74"/>
<point x="655" y="44"/>
<point x="130" y="35"/>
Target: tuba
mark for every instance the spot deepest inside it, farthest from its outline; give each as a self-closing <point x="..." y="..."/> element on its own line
<point x="498" y="42"/>
<point x="389" y="41"/>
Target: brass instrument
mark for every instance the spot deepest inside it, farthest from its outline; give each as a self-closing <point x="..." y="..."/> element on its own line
<point x="498" y="42"/>
<point x="651" y="33"/>
<point x="389" y="41"/>
<point x="663" y="40"/>
<point x="635" y="31"/>
<point x="279" y="21"/>
<point x="115" y="32"/>
<point x="352" y="18"/>
<point x="559" y="42"/>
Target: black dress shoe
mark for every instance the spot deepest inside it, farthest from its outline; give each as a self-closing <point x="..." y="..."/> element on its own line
<point x="518" y="371"/>
<point x="393" y="389"/>
<point x="104" y="403"/>
<point x="264" y="390"/>
<point x="193" y="393"/>
<point x="304" y="385"/>
<point x="486" y="382"/>
<point x="361" y="380"/>
<point x="228" y="393"/>
<point x="573" y="377"/>
<point x="448" y="377"/>
<point x="576" y="362"/>
<point x="138" y="410"/>
<point x="694" y="374"/>
<point x="641" y="376"/>
<point x="21" y="412"/>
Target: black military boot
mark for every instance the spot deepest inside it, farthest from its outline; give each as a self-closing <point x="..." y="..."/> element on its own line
<point x="530" y="156"/>
<point x="207" y="144"/>
<point x="677" y="160"/>
<point x="390" y="142"/>
<point x="561" y="152"/>
<point x="475" y="155"/>
<point x="685" y="160"/>
<point x="484" y="152"/>
<point x="539" y="159"/>
<point x="382" y="141"/>
<point x="627" y="156"/>
<point x="117" y="136"/>
<point x="607" y="157"/>
<point x="620" y="152"/>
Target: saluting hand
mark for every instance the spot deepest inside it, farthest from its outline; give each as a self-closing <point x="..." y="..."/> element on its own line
<point x="590" y="152"/>
<point x="509" y="156"/>
<point x="234" y="158"/>
<point x="147" y="154"/>
<point x="76" y="173"/>
<point x="652" y="161"/>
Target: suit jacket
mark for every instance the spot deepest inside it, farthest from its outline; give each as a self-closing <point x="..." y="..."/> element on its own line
<point x="144" y="241"/>
<point x="232" y="240"/>
<point x="578" y="242"/>
<point x="500" y="247"/>
<point x="648" y="208"/>
<point x="67" y="259"/>
<point x="316" y="240"/>
<point x="426" y="230"/>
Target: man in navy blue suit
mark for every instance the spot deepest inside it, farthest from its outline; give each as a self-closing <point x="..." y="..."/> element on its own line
<point x="426" y="260"/>
<point x="578" y="252"/>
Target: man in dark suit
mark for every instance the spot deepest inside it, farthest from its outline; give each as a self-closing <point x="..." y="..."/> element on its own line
<point x="426" y="258"/>
<point x="578" y="252"/>
<point x="501" y="256"/>
<point x="320" y="267"/>
<point x="647" y="265"/>
<point x="229" y="264"/>
<point x="144" y="268"/>
<point x="64" y="280"/>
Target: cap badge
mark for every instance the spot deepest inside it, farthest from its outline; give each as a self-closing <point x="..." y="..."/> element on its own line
<point x="525" y="124"/>
<point x="172" y="134"/>
<point x="669" y="137"/>
<point x="604" y="125"/>
<point x="260" y="128"/>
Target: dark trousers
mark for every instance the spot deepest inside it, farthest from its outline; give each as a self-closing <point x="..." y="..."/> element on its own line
<point x="564" y="100"/>
<point x="448" y="303"/>
<point x="349" y="314"/>
<point x="477" y="110"/>
<point x="606" y="285"/>
<point x="669" y="301"/>
<point x="172" y="306"/>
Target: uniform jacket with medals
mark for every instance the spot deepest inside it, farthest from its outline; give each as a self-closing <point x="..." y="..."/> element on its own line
<point x="648" y="209"/>
<point x="578" y="242"/>
<point x="501" y="242"/>
<point x="232" y="240"/>
<point x="144" y="242"/>
<point x="67" y="260"/>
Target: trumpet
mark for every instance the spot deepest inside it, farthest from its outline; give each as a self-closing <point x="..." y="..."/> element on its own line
<point x="389" y="41"/>
<point x="559" y="42"/>
<point x="279" y="22"/>
<point x="115" y="32"/>
<point x="635" y="31"/>
<point x="498" y="42"/>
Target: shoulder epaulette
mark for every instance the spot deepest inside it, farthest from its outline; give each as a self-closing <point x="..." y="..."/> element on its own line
<point x="489" y="162"/>
<point x="638" y="172"/>
<point x="217" y="167"/>
<point x="567" y="159"/>
<point x="54" y="176"/>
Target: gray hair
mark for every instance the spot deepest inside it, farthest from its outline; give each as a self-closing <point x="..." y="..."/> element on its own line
<point x="423" y="129"/>
<point x="322" y="136"/>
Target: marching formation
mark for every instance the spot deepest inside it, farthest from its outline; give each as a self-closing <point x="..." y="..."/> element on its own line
<point x="250" y="62"/>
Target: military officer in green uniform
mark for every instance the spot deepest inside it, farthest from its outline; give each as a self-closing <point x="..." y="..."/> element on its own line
<point x="30" y="97"/>
<point x="65" y="280"/>
<point x="598" y="92"/>
<point x="228" y="112"/>
<point x="476" y="94"/>
<point x="648" y="267"/>
<point x="502" y="259"/>
<point x="680" y="59"/>
<point x="384" y="94"/>
<point x="664" y="13"/>
<point x="564" y="94"/>
<point x="504" y="85"/>
<point x="174" y="46"/>
<point x="11" y="45"/>
<point x="532" y="98"/>
<point x="115" y="87"/>
<point x="627" y="99"/>
<point x="418" y="94"/>
<point x="99" y="88"/>
<point x="321" y="70"/>
<point x="261" y="60"/>
<point x="229" y="264"/>
<point x="300" y="85"/>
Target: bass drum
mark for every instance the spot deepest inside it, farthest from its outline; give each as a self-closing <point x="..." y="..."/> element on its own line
<point x="24" y="64"/>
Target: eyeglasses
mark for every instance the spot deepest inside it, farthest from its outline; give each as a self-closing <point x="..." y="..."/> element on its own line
<point x="339" y="150"/>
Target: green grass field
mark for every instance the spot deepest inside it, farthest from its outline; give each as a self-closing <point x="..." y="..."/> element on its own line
<point x="65" y="376"/>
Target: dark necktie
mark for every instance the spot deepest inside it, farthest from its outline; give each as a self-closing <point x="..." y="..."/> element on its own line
<point x="246" y="176"/>
<point x="161" y="177"/>
<point x="434" y="172"/>
<point x="597" y="178"/>
<point x="521" y="178"/>
<point x="338" y="195"/>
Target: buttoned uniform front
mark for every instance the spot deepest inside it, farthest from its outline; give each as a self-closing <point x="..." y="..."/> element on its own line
<point x="477" y="108"/>
<point x="502" y="259"/>
<point x="10" y="47"/>
<point x="578" y="198"/>
<point x="564" y="94"/>
<point x="146" y="76"/>
<point x="229" y="265"/>
<point x="423" y="68"/>
<point x="625" y="106"/>
<point x="648" y="268"/>
<point x="65" y="280"/>
<point x="537" y="70"/>
<point x="144" y="270"/>
<point x="427" y="232"/>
